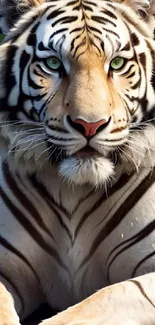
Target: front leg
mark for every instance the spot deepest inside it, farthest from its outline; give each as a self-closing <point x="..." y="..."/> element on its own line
<point x="131" y="302"/>
<point x="8" y="315"/>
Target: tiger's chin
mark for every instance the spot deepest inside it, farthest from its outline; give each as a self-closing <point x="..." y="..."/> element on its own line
<point x="96" y="171"/>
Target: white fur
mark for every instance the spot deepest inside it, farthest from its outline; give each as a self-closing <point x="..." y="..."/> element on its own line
<point x="95" y="171"/>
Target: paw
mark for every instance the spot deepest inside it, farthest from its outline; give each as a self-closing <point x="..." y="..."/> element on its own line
<point x="8" y="319"/>
<point x="8" y="315"/>
<point x="62" y="319"/>
<point x="85" y="314"/>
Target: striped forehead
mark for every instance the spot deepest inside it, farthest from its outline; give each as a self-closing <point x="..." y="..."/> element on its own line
<point x="69" y="29"/>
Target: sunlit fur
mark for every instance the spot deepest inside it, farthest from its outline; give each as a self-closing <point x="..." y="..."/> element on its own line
<point x="92" y="91"/>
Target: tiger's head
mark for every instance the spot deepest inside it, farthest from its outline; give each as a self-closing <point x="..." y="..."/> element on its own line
<point x="77" y="87"/>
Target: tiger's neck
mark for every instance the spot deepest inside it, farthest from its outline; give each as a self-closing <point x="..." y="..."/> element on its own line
<point x="69" y="196"/>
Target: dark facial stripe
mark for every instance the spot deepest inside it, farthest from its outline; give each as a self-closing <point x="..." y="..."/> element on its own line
<point x="78" y="29"/>
<point x="32" y="40"/>
<point x="57" y="32"/>
<point x="9" y="281"/>
<point x="71" y="3"/>
<point x="93" y="44"/>
<point x="75" y="39"/>
<point x="111" y="43"/>
<point x="15" y="251"/>
<point x="87" y="8"/>
<point x="127" y="47"/>
<point x="111" y="32"/>
<point x="121" y="213"/>
<point x="131" y="75"/>
<point x="139" y="286"/>
<point x="153" y="61"/>
<point x="93" y="29"/>
<point x="91" y="3"/>
<point x="55" y="14"/>
<point x="134" y="39"/>
<point x="65" y="20"/>
<point x="81" y="44"/>
<point x="109" y="14"/>
<point x="102" y="20"/>
<point x="137" y="84"/>
<point x="142" y="59"/>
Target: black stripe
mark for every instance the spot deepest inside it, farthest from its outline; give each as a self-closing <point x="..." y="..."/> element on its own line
<point x="58" y="32"/>
<point x="120" y="214"/>
<point x="55" y="14"/>
<point x="28" y="226"/>
<point x="25" y="202"/>
<point x="102" y="20"/>
<point x="93" y="29"/>
<point x="132" y="74"/>
<point x="87" y="8"/>
<point x="141" y="262"/>
<point x="132" y="241"/>
<point x="137" y="84"/>
<point x="109" y="13"/>
<point x="91" y="3"/>
<point x="65" y="20"/>
<point x="93" y="44"/>
<point x="9" y="281"/>
<point x="123" y="180"/>
<point x="126" y="47"/>
<point x="78" y="29"/>
<point x="71" y="3"/>
<point x="134" y="39"/>
<point x="74" y="40"/>
<point x="15" y="251"/>
<point x="51" y="203"/>
<point x="81" y="44"/>
<point x="111" y="32"/>
<point x="9" y="78"/>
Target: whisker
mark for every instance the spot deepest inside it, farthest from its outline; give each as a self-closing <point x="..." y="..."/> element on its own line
<point x="26" y="148"/>
<point x="129" y="157"/>
<point x="47" y="149"/>
<point x="20" y="123"/>
<point x="21" y="141"/>
<point x="132" y="148"/>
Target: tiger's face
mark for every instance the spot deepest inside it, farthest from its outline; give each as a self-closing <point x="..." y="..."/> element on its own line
<point x="77" y="89"/>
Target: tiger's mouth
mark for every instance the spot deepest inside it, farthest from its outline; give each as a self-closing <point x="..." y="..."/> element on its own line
<point x="87" y="152"/>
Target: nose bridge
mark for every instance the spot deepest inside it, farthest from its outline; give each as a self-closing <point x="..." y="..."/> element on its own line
<point x="88" y="95"/>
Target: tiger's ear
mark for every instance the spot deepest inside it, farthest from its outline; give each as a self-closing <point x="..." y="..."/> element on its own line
<point x="11" y="10"/>
<point x="144" y="8"/>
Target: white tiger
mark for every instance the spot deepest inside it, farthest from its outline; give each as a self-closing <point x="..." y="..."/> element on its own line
<point x="77" y="137"/>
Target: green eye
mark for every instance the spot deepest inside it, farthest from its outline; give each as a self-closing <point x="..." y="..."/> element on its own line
<point x="53" y="63"/>
<point x="117" y="63"/>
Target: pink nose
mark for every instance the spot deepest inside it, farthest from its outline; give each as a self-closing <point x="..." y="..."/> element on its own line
<point x="90" y="129"/>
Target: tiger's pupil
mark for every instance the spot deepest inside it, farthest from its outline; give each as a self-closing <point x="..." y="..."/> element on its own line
<point x="54" y="63"/>
<point x="117" y="63"/>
